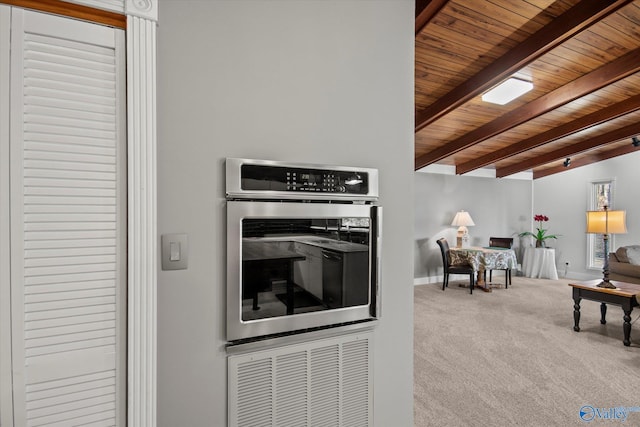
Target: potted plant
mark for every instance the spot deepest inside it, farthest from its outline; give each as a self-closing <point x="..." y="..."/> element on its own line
<point x="541" y="233"/>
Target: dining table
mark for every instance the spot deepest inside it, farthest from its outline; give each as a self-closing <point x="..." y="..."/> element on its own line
<point x="261" y="260"/>
<point x="483" y="258"/>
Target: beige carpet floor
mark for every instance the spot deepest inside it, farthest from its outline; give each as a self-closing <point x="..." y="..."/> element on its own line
<point x="511" y="357"/>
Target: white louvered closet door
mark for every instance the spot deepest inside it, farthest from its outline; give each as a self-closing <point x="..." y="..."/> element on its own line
<point x="68" y="222"/>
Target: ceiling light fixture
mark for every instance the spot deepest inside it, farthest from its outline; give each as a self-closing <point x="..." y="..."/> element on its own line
<point x="635" y="141"/>
<point x="507" y="91"/>
<point x="567" y="162"/>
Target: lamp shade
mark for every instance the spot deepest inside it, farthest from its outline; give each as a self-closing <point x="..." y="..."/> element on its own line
<point x="606" y="222"/>
<point x="462" y="219"/>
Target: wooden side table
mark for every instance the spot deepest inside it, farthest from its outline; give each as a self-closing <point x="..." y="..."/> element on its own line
<point x="625" y="295"/>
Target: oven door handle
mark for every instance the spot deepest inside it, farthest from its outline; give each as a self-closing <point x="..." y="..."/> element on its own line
<point x="375" y="261"/>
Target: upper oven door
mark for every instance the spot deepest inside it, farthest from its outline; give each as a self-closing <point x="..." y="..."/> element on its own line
<point x="294" y="266"/>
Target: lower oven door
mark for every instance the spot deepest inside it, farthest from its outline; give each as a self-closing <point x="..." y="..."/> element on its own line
<point x="295" y="266"/>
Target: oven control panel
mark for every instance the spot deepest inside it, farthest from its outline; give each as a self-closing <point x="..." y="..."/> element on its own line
<point x="252" y="179"/>
<point x="296" y="179"/>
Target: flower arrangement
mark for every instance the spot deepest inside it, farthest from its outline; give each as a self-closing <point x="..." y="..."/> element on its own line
<point x="541" y="234"/>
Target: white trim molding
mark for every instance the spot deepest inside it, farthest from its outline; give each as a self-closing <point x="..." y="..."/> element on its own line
<point x="142" y="227"/>
<point x="147" y="9"/>
<point x="6" y="375"/>
<point x="111" y="5"/>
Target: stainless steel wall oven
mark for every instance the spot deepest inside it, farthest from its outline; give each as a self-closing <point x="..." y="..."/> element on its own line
<point x="303" y="247"/>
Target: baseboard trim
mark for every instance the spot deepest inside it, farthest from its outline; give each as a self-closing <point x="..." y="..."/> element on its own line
<point x="427" y="280"/>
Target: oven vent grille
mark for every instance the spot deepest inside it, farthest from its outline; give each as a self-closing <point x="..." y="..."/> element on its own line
<point x="319" y="383"/>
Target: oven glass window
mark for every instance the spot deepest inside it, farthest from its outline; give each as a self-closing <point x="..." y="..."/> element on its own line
<point x="295" y="266"/>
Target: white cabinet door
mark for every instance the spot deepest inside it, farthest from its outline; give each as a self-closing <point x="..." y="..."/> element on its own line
<point x="67" y="221"/>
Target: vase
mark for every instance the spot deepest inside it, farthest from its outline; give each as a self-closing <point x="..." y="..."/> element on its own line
<point x="540" y="243"/>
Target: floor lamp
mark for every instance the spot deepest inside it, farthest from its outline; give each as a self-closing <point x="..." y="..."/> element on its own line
<point x="606" y="222"/>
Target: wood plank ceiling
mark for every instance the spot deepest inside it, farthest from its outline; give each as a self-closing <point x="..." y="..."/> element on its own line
<point x="583" y="57"/>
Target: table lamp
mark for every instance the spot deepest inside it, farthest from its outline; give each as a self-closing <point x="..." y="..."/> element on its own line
<point x="606" y="222"/>
<point x="462" y="220"/>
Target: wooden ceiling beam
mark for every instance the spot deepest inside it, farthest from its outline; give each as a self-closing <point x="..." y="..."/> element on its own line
<point x="627" y="106"/>
<point x="587" y="160"/>
<point x="571" y="150"/>
<point x="606" y="74"/>
<point x="426" y="10"/>
<point x="560" y="29"/>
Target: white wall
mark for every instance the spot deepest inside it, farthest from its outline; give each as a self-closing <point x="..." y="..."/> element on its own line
<point x="309" y="81"/>
<point x="507" y="206"/>
<point x="498" y="207"/>
<point x="564" y="198"/>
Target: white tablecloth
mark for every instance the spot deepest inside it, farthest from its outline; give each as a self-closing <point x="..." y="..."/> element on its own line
<point x="540" y="263"/>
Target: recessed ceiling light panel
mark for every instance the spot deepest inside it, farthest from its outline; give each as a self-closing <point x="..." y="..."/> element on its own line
<point x="507" y="91"/>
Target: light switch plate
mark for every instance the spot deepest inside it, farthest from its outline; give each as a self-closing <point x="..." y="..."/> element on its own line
<point x="175" y="251"/>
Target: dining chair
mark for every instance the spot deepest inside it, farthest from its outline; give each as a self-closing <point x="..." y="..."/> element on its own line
<point x="501" y="242"/>
<point x="454" y="269"/>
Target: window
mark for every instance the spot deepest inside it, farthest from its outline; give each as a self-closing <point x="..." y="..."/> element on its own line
<point x="601" y="195"/>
